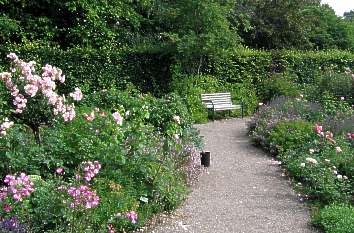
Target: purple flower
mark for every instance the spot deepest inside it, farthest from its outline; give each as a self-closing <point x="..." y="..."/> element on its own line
<point x="12" y="225"/>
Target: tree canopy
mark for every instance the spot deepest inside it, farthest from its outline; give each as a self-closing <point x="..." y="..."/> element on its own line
<point x="188" y="32"/>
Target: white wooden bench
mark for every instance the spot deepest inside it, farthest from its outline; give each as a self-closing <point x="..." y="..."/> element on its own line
<point x="220" y="102"/>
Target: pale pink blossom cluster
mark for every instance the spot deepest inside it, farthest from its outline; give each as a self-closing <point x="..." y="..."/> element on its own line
<point x="177" y="119"/>
<point x="90" y="169"/>
<point x="77" y="94"/>
<point x="5" y="126"/>
<point x="59" y="170"/>
<point x="132" y="216"/>
<point x="17" y="187"/>
<point x="311" y="161"/>
<point x="83" y="197"/>
<point x="111" y="228"/>
<point x="118" y="118"/>
<point x="90" y="116"/>
<point x="45" y="84"/>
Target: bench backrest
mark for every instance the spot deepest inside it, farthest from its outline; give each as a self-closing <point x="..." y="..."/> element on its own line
<point x="217" y="99"/>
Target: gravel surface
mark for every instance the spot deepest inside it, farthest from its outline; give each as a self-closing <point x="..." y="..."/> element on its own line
<point x="244" y="190"/>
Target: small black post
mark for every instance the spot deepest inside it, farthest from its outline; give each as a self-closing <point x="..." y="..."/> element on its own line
<point x="205" y="158"/>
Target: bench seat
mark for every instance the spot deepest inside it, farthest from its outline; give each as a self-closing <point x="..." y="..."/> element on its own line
<point x="220" y="102"/>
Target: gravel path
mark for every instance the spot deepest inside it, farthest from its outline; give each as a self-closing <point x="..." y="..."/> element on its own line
<point x="244" y="190"/>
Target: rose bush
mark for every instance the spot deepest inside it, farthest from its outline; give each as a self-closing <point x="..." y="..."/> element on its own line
<point x="91" y="168"/>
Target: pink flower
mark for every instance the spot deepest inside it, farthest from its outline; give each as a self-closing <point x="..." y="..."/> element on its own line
<point x="3" y="193"/>
<point x="90" y="117"/>
<point x="132" y="216"/>
<point x="70" y="114"/>
<point x="19" y="187"/>
<point x="7" y="208"/>
<point x="77" y="176"/>
<point x="14" y="91"/>
<point x="111" y="228"/>
<point x="103" y="114"/>
<point x="31" y="90"/>
<point x="118" y="118"/>
<point x="20" y="102"/>
<point x="59" y="170"/>
<point x="319" y="130"/>
<point x="12" y="56"/>
<point x="83" y="197"/>
<point x="52" y="98"/>
<point x="5" y="76"/>
<point x="48" y="71"/>
<point x="91" y="169"/>
<point x="77" y="94"/>
<point x="32" y="83"/>
<point x="62" y="78"/>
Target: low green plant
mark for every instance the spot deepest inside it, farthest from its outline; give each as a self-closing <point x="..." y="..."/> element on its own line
<point x="337" y="84"/>
<point x="335" y="218"/>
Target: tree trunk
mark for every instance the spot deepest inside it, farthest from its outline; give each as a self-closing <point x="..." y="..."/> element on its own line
<point x="37" y="135"/>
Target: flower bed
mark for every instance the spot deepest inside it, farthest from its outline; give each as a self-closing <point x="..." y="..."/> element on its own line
<point x="96" y="163"/>
<point x="316" y="146"/>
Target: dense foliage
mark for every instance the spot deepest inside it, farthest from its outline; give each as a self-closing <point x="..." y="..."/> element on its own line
<point x="142" y="42"/>
<point x="139" y="150"/>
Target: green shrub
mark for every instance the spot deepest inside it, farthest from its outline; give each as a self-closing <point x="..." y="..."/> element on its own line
<point x="337" y="84"/>
<point x="278" y="110"/>
<point x="290" y="135"/>
<point x="336" y="218"/>
<point x="256" y="66"/>
<point x="318" y="181"/>
<point x="279" y="84"/>
<point x="334" y="106"/>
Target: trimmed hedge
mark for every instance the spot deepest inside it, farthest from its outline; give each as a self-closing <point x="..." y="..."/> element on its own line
<point x="101" y="69"/>
<point x="90" y="69"/>
<point x="257" y="65"/>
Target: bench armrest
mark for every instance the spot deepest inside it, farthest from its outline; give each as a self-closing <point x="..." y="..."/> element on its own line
<point x="210" y="101"/>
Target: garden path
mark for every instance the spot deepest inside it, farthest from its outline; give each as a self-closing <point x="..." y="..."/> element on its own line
<point x="244" y="190"/>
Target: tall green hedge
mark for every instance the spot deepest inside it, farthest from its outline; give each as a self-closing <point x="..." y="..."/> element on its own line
<point x="256" y="65"/>
<point x="94" y="70"/>
<point x="89" y="69"/>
